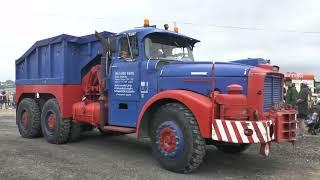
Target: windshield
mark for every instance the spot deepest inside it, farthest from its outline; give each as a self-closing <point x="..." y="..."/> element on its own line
<point x="168" y="47"/>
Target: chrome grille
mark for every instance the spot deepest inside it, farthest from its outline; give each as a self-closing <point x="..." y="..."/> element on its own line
<point x="272" y="92"/>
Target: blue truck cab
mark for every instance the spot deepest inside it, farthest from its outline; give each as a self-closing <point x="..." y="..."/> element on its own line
<point x="158" y="60"/>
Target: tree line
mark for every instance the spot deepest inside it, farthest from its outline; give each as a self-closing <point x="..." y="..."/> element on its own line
<point x="7" y="84"/>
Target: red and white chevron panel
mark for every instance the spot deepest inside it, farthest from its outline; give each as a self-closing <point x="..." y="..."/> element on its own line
<point x="233" y="131"/>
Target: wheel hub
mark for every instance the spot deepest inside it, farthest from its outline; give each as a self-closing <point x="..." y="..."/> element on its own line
<point x="25" y="119"/>
<point x="168" y="139"/>
<point x="52" y="121"/>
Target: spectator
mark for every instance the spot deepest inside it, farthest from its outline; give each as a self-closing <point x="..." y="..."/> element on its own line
<point x="10" y="100"/>
<point x="284" y="93"/>
<point x="14" y="100"/>
<point x="310" y="100"/>
<point x="1" y="100"/>
<point x="302" y="103"/>
<point x="291" y="93"/>
<point x="4" y="99"/>
<point x="317" y="107"/>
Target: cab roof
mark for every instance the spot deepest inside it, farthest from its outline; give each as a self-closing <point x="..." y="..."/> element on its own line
<point x="144" y="31"/>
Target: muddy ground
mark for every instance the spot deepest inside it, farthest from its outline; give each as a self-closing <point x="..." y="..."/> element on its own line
<point x="123" y="157"/>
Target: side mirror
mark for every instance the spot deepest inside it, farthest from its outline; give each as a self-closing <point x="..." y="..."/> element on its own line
<point x="108" y="44"/>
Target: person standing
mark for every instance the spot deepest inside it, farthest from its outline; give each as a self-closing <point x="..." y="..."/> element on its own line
<point x="291" y="93"/>
<point x="14" y="100"/>
<point x="4" y="99"/>
<point x="1" y="100"/>
<point x="302" y="103"/>
<point x="10" y="100"/>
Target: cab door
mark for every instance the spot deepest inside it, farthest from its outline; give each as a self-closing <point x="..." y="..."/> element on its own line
<point x="124" y="83"/>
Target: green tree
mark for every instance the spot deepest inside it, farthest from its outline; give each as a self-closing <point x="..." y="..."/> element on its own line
<point x="9" y="82"/>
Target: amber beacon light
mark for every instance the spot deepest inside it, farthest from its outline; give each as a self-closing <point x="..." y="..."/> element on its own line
<point x="146" y="23"/>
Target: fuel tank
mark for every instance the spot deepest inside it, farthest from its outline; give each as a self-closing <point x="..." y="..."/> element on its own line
<point x="87" y="112"/>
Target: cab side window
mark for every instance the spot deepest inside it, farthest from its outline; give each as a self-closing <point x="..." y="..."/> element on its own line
<point x="128" y="49"/>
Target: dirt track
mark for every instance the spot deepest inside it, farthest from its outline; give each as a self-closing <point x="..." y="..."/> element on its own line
<point x="122" y="157"/>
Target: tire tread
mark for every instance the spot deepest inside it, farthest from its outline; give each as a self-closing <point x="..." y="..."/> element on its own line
<point x="35" y="122"/>
<point x="199" y="150"/>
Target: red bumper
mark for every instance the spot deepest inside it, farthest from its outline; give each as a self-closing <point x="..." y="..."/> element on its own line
<point x="281" y="126"/>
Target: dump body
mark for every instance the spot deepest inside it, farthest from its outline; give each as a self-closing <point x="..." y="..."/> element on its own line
<point x="54" y="67"/>
<point x="57" y="60"/>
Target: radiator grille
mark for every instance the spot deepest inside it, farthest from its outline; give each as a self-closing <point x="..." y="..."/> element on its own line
<point x="272" y="92"/>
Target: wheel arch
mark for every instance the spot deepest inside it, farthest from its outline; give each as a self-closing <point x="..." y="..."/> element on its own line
<point x="200" y="106"/>
<point x="43" y="97"/>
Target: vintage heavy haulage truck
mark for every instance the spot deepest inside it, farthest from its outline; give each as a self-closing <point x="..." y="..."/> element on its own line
<point x="145" y="81"/>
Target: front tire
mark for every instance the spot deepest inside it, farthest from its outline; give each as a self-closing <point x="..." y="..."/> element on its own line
<point x="28" y="118"/>
<point x="176" y="140"/>
<point x="55" y="129"/>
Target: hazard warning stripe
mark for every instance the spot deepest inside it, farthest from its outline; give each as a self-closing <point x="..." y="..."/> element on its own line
<point x="234" y="126"/>
<point x="257" y="130"/>
<point x="233" y="131"/>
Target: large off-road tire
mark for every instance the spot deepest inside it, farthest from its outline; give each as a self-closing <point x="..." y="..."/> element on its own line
<point x="55" y="129"/>
<point x="232" y="148"/>
<point x="75" y="131"/>
<point x="28" y="118"/>
<point x="176" y="140"/>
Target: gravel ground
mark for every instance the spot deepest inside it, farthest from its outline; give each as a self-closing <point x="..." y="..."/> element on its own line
<point x="123" y="157"/>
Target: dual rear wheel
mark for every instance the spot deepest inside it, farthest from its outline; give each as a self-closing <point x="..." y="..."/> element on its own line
<point x="55" y="129"/>
<point x="28" y="118"/>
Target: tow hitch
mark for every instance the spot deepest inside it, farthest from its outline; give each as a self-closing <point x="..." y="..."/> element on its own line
<point x="265" y="149"/>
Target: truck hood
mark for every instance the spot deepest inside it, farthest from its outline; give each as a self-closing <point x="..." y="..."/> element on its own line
<point x="196" y="76"/>
<point x="183" y="69"/>
<point x="204" y="69"/>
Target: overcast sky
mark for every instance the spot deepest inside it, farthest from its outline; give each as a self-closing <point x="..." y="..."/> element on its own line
<point x="285" y="31"/>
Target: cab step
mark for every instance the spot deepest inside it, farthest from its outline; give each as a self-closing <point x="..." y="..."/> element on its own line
<point x="119" y="129"/>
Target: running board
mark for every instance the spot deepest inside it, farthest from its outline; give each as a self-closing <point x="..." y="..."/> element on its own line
<point x="119" y="129"/>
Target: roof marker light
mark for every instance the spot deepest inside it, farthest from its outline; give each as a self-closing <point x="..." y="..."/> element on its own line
<point x="146" y="23"/>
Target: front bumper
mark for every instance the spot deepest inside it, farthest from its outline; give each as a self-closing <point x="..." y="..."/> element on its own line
<point x="233" y="131"/>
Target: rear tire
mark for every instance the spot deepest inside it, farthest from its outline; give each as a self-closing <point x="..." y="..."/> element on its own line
<point x="232" y="148"/>
<point x="75" y="131"/>
<point x="55" y="129"/>
<point x="176" y="140"/>
<point x="28" y="118"/>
